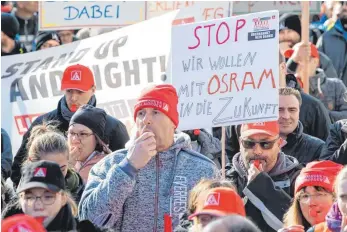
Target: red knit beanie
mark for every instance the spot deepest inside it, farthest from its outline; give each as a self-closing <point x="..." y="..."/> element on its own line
<point x="161" y="97"/>
<point x="318" y="173"/>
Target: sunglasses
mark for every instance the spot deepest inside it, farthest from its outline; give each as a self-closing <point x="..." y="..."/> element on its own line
<point x="266" y="145"/>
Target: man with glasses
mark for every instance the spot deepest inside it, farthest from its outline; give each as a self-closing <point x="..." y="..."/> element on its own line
<point x="291" y="129"/>
<point x="79" y="89"/>
<point x="263" y="175"/>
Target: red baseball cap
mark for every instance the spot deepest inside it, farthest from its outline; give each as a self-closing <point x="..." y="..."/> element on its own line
<point x="219" y="202"/>
<point x="314" y="52"/>
<point x="21" y="222"/>
<point x="270" y="128"/>
<point x="77" y="77"/>
<point x="318" y="173"/>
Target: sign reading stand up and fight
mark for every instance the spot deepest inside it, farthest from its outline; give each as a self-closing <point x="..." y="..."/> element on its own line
<point x="226" y="70"/>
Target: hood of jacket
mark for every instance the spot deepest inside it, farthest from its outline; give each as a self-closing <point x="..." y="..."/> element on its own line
<point x="283" y="165"/>
<point x="73" y="180"/>
<point x="317" y="81"/>
<point x="181" y="141"/>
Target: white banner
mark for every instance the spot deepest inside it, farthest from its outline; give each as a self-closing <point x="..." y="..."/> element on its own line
<point x="62" y="15"/>
<point x="245" y="7"/>
<point x="226" y="70"/>
<point x="123" y="62"/>
<point x="191" y="11"/>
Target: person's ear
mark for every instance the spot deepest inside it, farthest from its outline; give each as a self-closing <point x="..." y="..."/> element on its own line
<point x="63" y="199"/>
<point x="316" y="62"/>
<point x="93" y="89"/>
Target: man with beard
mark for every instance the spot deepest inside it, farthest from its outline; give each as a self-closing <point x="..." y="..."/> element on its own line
<point x="263" y="175"/>
<point x="334" y="44"/>
<point x="290" y="34"/>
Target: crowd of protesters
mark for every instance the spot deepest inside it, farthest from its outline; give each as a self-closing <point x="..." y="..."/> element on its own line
<point x="77" y="168"/>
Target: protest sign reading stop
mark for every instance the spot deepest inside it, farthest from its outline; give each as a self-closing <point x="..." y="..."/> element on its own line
<point x="226" y="70"/>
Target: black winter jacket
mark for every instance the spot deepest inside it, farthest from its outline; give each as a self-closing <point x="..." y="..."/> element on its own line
<point x="335" y="148"/>
<point x="305" y="148"/>
<point x="268" y="196"/>
<point x="115" y="132"/>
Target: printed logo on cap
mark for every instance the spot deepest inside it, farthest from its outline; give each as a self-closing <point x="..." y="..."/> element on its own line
<point x="76" y="75"/>
<point x="315" y="178"/>
<point x="259" y="124"/>
<point x="213" y="199"/>
<point x="166" y="107"/>
<point x="40" y="172"/>
<point x="20" y="228"/>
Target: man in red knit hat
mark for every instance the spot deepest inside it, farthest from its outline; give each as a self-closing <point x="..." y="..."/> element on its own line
<point x="134" y="189"/>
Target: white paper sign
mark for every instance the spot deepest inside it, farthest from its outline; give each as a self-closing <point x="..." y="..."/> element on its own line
<point x="62" y="15"/>
<point x="191" y="11"/>
<point x="245" y="7"/>
<point x="226" y="70"/>
<point x="123" y="63"/>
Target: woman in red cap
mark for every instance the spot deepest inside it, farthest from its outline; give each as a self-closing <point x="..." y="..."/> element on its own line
<point x="336" y="218"/>
<point x="42" y="194"/>
<point x="314" y="196"/>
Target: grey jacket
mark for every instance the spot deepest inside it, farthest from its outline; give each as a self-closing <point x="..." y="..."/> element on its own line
<point x="6" y="155"/>
<point x="332" y="92"/>
<point x="334" y="45"/>
<point x="118" y="197"/>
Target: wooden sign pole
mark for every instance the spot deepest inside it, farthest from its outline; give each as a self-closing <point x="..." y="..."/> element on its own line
<point x="223" y="152"/>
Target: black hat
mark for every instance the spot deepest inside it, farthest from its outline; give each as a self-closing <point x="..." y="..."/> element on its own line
<point x="9" y="25"/>
<point x="43" y="37"/>
<point x="41" y="174"/>
<point x="290" y="21"/>
<point x="91" y="117"/>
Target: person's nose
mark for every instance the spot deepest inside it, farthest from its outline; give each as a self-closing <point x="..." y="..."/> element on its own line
<point x="285" y="114"/>
<point x="74" y="97"/>
<point x="257" y="149"/>
<point x="38" y="204"/>
<point x="147" y="119"/>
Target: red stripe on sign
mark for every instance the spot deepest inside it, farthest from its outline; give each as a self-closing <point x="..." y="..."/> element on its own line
<point x="23" y="122"/>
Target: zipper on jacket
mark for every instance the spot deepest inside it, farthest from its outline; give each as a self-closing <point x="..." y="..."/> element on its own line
<point x="156" y="206"/>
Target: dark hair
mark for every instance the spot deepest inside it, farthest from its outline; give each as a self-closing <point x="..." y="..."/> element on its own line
<point x="232" y="223"/>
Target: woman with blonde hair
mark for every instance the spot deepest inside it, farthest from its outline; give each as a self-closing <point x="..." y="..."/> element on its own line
<point x="336" y="218"/>
<point x="42" y="194"/>
<point x="313" y="197"/>
<point x="46" y="142"/>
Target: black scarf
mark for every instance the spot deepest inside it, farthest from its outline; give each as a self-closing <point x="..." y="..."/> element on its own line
<point x="65" y="111"/>
<point x="64" y="221"/>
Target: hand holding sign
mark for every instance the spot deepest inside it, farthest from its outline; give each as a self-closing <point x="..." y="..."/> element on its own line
<point x="143" y="150"/>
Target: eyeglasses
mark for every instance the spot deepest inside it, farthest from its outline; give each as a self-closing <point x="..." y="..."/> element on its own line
<point x="46" y="199"/>
<point x="266" y="145"/>
<point x="79" y="135"/>
<point x="304" y="198"/>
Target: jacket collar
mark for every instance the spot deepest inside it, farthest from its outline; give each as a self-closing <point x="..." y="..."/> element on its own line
<point x="64" y="221"/>
<point x="295" y="135"/>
